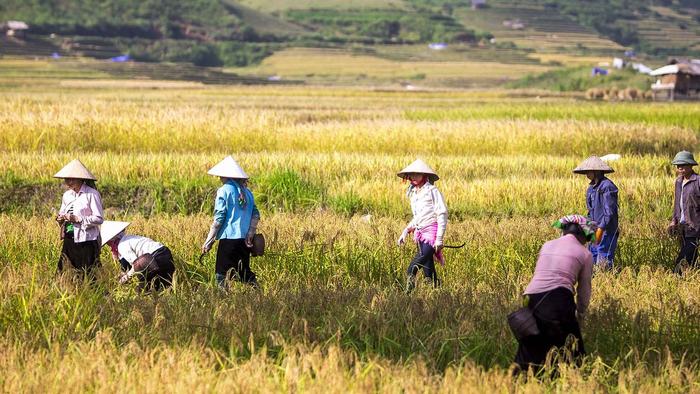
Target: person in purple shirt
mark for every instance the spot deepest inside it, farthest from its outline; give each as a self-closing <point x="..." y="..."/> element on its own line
<point x="601" y="202"/>
<point x="686" y="210"/>
<point x="564" y="266"/>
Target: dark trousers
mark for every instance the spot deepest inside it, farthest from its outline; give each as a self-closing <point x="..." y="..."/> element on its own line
<point x="688" y="252"/>
<point x="82" y="255"/>
<point x="160" y="274"/>
<point x="556" y="319"/>
<point x="424" y="260"/>
<point x="233" y="261"/>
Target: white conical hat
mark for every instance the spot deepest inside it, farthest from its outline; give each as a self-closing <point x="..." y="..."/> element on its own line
<point x="419" y="167"/>
<point x="109" y="229"/>
<point x="593" y="163"/>
<point x="228" y="168"/>
<point x="75" y="169"/>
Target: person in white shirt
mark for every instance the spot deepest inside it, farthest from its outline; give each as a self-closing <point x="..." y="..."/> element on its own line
<point x="428" y="224"/>
<point x="139" y="256"/>
<point x="79" y="218"/>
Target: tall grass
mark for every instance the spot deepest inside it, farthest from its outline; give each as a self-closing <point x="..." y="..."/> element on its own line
<point x="480" y="187"/>
<point x="322" y="289"/>
<point x="332" y="315"/>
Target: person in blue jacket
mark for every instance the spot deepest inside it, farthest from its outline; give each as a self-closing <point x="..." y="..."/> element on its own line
<point x="235" y="221"/>
<point x="601" y="201"/>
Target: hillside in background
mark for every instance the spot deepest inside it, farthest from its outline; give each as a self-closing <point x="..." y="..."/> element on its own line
<point x="531" y="36"/>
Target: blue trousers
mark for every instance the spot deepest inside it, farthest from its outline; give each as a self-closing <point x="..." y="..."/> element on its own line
<point x="424" y="261"/>
<point x="604" y="252"/>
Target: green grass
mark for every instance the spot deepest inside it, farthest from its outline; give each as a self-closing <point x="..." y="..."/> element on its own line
<point x="580" y="79"/>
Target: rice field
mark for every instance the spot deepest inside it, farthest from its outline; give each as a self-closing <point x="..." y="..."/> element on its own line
<point x="335" y="66"/>
<point x="332" y="315"/>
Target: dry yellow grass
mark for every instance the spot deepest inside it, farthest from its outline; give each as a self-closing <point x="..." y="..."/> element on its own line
<point x="332" y="316"/>
<point x="130" y="84"/>
<point x="569" y="60"/>
<point x="319" y="63"/>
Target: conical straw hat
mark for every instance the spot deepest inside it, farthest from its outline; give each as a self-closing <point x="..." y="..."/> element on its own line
<point x="75" y="169"/>
<point x="228" y="168"/>
<point x="593" y="163"/>
<point x="109" y="229"/>
<point x="419" y="167"/>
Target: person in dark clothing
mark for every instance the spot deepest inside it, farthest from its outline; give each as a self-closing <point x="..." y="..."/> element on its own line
<point x="562" y="263"/>
<point x="686" y="210"/>
<point x="601" y="201"/>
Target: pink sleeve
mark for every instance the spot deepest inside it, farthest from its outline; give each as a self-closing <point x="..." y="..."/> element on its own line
<point x="583" y="288"/>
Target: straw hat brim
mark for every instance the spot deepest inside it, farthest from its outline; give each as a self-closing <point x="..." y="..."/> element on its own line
<point x="75" y="170"/>
<point x="419" y="167"/>
<point x="110" y="229"/>
<point x="593" y="163"/>
<point x="583" y="171"/>
<point x="431" y="177"/>
<point x="228" y="168"/>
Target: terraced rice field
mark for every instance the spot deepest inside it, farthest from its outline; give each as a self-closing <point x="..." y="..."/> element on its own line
<point x="543" y="31"/>
<point x="670" y="29"/>
<point x="332" y="66"/>
<point x="332" y="315"/>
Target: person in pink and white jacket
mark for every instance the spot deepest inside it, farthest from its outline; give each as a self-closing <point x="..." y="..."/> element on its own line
<point x="428" y="224"/>
<point x="80" y="217"/>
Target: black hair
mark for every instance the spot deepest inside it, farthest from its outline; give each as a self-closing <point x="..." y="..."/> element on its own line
<point x="90" y="183"/>
<point x="574" y="229"/>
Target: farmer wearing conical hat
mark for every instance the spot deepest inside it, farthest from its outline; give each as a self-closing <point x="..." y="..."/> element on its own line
<point x="686" y="209"/>
<point x="79" y="217"/>
<point x="601" y="201"/>
<point x="235" y="221"/>
<point x="428" y="224"/>
<point x="150" y="261"/>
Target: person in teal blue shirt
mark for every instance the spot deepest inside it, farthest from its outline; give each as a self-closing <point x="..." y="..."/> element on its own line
<point x="235" y="221"/>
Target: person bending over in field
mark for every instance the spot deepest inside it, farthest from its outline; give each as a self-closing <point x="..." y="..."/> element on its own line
<point x="79" y="218"/>
<point x="562" y="263"/>
<point x="235" y="221"/>
<point x="428" y="224"/>
<point x="138" y="256"/>
<point x="686" y="210"/>
<point x="601" y="201"/>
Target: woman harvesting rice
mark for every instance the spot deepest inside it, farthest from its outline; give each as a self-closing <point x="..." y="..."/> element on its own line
<point x="562" y="263"/>
<point x="428" y="224"/>
<point x="601" y="201"/>
<point x="79" y="217"/>
<point x="235" y="221"/>
<point x="150" y="261"/>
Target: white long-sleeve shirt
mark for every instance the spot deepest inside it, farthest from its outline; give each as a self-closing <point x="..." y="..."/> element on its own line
<point x="86" y="204"/>
<point x="428" y="207"/>
<point x="131" y="247"/>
